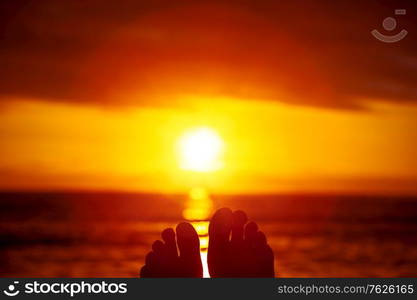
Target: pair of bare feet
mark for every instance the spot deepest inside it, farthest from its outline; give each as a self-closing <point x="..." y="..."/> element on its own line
<point x="236" y="249"/>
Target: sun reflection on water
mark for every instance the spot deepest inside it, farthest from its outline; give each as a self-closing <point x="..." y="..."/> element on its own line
<point x="198" y="209"/>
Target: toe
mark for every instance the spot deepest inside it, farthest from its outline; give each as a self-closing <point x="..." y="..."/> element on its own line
<point x="221" y="225"/>
<point x="239" y="220"/>
<point x="144" y="272"/>
<point x="264" y="256"/>
<point x="269" y="262"/>
<point x="218" y="257"/>
<point x="168" y="235"/>
<point x="260" y="239"/>
<point x="189" y="248"/>
<point x="251" y="230"/>
<point x="158" y="247"/>
<point x="150" y="258"/>
<point x="187" y="238"/>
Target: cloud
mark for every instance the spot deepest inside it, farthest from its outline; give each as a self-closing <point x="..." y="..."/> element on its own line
<point x="114" y="53"/>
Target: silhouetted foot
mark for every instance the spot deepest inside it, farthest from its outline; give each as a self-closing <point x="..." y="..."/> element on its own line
<point x="236" y="250"/>
<point x="164" y="261"/>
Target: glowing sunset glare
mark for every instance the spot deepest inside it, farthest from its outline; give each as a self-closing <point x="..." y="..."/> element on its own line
<point x="200" y="150"/>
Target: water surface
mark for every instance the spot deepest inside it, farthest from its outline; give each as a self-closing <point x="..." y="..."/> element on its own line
<point x="109" y="234"/>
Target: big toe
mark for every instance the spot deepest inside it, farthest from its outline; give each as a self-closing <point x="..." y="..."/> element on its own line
<point x="189" y="247"/>
<point x="187" y="239"/>
<point x="221" y="226"/>
<point x="219" y="246"/>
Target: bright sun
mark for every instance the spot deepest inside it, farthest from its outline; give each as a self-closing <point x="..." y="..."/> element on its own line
<point x="200" y="150"/>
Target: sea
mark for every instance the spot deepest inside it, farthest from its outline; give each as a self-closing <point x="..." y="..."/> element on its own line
<point x="108" y="234"/>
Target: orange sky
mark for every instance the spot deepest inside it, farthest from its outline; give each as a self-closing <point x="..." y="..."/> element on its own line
<point x="96" y="94"/>
<point x="269" y="147"/>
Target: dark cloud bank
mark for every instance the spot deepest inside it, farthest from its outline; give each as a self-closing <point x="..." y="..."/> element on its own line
<point x="317" y="53"/>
